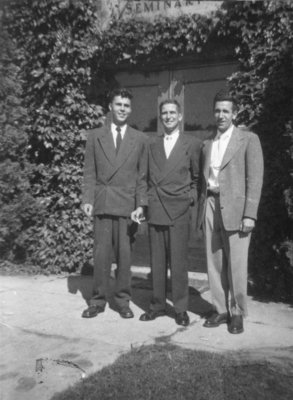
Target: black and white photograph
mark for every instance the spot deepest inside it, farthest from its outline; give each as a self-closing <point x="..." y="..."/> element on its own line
<point x="146" y="200"/>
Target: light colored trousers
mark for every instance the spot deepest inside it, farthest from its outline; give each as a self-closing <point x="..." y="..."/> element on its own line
<point x="227" y="256"/>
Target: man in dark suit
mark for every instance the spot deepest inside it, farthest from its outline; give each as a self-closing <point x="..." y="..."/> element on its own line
<point x="231" y="182"/>
<point x="173" y="174"/>
<point x="115" y="170"/>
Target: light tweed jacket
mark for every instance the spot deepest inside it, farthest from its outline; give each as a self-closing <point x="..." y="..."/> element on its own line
<point x="240" y="178"/>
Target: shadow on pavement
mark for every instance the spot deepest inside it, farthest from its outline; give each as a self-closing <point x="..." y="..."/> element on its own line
<point x="197" y="304"/>
<point x="141" y="293"/>
<point x="82" y="284"/>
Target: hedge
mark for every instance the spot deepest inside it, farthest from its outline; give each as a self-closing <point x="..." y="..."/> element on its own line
<point x="64" y="52"/>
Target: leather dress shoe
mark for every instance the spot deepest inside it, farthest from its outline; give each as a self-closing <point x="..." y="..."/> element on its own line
<point x="182" y="318"/>
<point x="151" y="315"/>
<point x="216" y="320"/>
<point x="126" y="313"/>
<point x="236" y="324"/>
<point x="92" y="311"/>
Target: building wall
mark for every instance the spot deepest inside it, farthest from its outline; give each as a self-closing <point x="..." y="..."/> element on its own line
<point x="192" y="82"/>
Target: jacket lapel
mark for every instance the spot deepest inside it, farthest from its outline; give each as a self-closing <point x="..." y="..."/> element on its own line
<point x="233" y="146"/>
<point x="178" y="153"/>
<point x="126" y="147"/>
<point x="107" y="144"/>
<point x="158" y="154"/>
<point x="207" y="151"/>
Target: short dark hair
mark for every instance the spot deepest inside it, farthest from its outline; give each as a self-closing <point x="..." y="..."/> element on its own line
<point x="225" y="95"/>
<point x="170" y="101"/>
<point x="123" y="92"/>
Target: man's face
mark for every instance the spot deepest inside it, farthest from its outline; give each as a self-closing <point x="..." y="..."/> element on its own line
<point x="170" y="117"/>
<point x="224" y="115"/>
<point x="121" y="109"/>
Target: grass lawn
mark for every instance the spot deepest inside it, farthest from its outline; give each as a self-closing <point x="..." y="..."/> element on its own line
<point x="168" y="372"/>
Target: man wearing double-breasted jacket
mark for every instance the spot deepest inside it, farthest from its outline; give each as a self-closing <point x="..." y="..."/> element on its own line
<point x="115" y="170"/>
<point x="231" y="182"/>
<point x="172" y="188"/>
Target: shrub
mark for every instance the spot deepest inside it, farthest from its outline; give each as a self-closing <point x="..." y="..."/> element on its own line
<point x="59" y="39"/>
<point x="19" y="210"/>
<point x="64" y="52"/>
<point x="264" y="87"/>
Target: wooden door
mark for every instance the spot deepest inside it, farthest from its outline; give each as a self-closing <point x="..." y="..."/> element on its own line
<point x="193" y="87"/>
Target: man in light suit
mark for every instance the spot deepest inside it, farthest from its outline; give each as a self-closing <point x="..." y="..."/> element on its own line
<point x="173" y="175"/>
<point x="115" y="170"/>
<point x="231" y="182"/>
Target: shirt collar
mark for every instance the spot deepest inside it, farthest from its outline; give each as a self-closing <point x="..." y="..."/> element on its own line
<point x="172" y="135"/>
<point x="114" y="128"/>
<point x="225" y="134"/>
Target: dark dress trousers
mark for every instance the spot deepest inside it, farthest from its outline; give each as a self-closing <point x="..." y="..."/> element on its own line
<point x="115" y="185"/>
<point x="172" y="190"/>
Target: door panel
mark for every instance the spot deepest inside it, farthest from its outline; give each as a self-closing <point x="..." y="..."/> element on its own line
<point x="200" y="84"/>
<point x="194" y="88"/>
<point x="148" y="90"/>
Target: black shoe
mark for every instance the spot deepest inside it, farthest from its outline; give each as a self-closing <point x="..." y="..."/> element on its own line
<point x="236" y="324"/>
<point x="126" y="313"/>
<point x="151" y="315"/>
<point x="92" y="311"/>
<point x="182" y="318"/>
<point x="215" y="320"/>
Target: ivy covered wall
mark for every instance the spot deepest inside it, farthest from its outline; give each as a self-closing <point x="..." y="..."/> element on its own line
<point x="64" y="51"/>
<point x="264" y="86"/>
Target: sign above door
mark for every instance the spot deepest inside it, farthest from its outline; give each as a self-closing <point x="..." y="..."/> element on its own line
<point x="149" y="9"/>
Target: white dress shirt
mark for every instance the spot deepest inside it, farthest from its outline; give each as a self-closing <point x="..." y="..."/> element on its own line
<point x="170" y="141"/>
<point x="114" y="131"/>
<point x="219" y="147"/>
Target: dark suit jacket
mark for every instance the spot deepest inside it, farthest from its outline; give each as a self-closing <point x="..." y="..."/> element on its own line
<point x="172" y="181"/>
<point x="115" y="185"/>
<point x="240" y="178"/>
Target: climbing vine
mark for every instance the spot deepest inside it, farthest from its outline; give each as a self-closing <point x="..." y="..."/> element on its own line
<point x="63" y="50"/>
<point x="67" y="69"/>
<point x="264" y="87"/>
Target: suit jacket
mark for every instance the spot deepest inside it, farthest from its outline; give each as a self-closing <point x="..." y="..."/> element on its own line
<point x="240" y="178"/>
<point x="115" y="185"/>
<point x="172" y="181"/>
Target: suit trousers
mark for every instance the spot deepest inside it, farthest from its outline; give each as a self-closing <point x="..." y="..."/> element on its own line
<point x="227" y="257"/>
<point x="111" y="232"/>
<point x="169" y="247"/>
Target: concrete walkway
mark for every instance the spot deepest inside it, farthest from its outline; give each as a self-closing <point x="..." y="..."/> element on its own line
<point x="46" y="345"/>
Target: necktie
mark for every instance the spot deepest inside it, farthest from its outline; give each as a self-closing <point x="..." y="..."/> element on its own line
<point x="118" y="139"/>
<point x="168" y="145"/>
